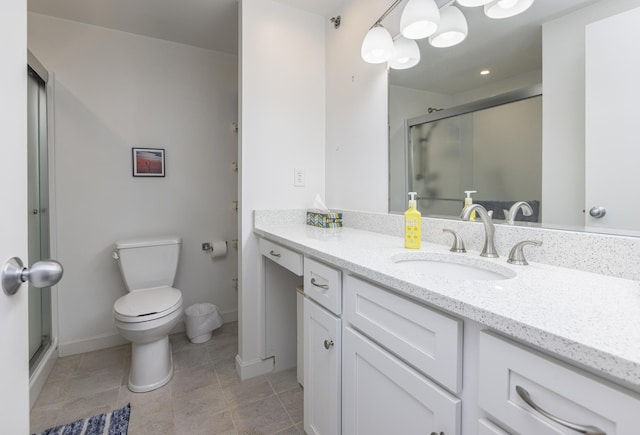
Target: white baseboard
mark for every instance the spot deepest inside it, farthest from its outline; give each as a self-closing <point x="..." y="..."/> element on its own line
<point x="111" y="340"/>
<point x="230" y="316"/>
<point x="90" y="344"/>
<point x="253" y="368"/>
<point x="42" y="372"/>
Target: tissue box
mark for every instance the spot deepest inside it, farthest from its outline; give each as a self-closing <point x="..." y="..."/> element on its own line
<point x="323" y="219"/>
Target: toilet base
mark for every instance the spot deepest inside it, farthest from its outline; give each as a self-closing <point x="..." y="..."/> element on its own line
<point x="151" y="365"/>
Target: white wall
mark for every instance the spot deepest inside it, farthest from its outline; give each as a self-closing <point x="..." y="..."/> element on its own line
<point x="563" y="42"/>
<point x="115" y="91"/>
<point x="357" y="124"/>
<point x="282" y="119"/>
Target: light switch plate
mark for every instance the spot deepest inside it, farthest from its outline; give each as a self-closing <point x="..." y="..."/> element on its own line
<point x="298" y="177"/>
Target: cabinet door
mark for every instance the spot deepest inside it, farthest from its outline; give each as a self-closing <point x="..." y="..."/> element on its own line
<point x="322" y="344"/>
<point x="382" y="395"/>
<point x="611" y="121"/>
<point x="426" y="339"/>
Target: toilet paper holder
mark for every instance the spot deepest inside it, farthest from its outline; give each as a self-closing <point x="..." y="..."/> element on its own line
<point x="208" y="246"/>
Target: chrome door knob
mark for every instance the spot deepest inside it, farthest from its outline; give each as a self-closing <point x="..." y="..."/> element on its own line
<point x="41" y="274"/>
<point x="597" y="212"/>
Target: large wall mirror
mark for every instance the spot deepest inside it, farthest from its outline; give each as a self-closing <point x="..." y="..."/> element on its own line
<point x="542" y="159"/>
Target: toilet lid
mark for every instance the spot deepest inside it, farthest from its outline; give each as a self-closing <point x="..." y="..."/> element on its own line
<point x="147" y="304"/>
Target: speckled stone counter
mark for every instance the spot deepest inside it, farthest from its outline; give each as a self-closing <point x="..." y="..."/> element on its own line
<point x="587" y="318"/>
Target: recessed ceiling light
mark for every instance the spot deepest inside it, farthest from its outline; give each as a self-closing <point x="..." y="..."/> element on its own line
<point x="484" y="72"/>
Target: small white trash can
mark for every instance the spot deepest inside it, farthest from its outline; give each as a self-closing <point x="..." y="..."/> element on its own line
<point x="200" y="321"/>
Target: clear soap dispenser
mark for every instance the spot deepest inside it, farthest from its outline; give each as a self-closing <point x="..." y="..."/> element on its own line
<point x="412" y="224"/>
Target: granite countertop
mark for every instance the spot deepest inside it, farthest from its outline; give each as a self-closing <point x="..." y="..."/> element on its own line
<point x="587" y="318"/>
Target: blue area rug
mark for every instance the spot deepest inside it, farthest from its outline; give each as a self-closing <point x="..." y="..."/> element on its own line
<point x="110" y="423"/>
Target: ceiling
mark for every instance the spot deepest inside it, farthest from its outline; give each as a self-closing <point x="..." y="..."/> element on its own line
<point x="210" y="24"/>
<point x="507" y="47"/>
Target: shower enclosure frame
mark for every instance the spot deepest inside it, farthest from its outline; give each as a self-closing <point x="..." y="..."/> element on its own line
<point x="44" y="362"/>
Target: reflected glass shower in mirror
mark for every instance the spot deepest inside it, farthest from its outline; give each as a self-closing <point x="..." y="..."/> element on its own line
<point x="492" y="146"/>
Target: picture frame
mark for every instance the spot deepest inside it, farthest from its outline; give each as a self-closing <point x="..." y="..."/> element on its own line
<point x="148" y="162"/>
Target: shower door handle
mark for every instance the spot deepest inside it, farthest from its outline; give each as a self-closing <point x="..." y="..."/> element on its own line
<point x="41" y="274"/>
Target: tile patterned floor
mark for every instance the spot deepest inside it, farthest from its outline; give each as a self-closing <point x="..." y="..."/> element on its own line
<point x="205" y="395"/>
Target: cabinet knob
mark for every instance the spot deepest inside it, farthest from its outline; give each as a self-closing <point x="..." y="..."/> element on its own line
<point x="328" y="344"/>
<point x="597" y="212"/>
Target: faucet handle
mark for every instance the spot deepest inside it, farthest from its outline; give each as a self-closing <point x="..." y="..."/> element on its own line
<point x="458" y="244"/>
<point x="516" y="256"/>
<point x="513" y="211"/>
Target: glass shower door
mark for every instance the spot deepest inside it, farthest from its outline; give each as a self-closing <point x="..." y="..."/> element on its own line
<point x="38" y="214"/>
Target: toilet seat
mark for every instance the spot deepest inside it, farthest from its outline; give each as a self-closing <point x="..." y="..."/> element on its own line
<point x="147" y="304"/>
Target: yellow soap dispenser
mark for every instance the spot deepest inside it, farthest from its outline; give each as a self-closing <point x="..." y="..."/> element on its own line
<point x="412" y="224"/>
<point x="468" y="201"/>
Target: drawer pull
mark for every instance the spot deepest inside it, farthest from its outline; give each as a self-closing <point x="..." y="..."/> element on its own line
<point x="275" y="254"/>
<point x="322" y="286"/>
<point x="587" y="430"/>
<point x="328" y="344"/>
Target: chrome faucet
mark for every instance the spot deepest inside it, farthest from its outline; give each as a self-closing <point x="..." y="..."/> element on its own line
<point x="513" y="211"/>
<point x="489" y="249"/>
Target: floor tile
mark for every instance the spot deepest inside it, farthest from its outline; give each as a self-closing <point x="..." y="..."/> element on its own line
<point x="226" y="371"/>
<point x="112" y="358"/>
<point x="86" y="406"/>
<point x="41" y="418"/>
<point x="198" y="403"/>
<point x="293" y="401"/>
<point x="222" y="352"/>
<point x="94" y="382"/>
<point x="293" y="430"/>
<point x="283" y="380"/>
<point x="65" y="367"/>
<point x="242" y="393"/>
<point x="191" y="357"/>
<point x="158" y="395"/>
<point x="185" y="381"/>
<point x="205" y="395"/>
<point x="53" y="392"/>
<point x="152" y="416"/>
<point x="265" y="416"/>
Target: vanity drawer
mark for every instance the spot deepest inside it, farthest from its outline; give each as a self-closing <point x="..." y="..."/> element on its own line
<point x="323" y="284"/>
<point x="285" y="257"/>
<point x="553" y="386"/>
<point x="426" y="339"/>
<point x="485" y="427"/>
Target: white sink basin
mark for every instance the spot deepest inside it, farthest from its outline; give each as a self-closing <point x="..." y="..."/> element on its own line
<point x="458" y="267"/>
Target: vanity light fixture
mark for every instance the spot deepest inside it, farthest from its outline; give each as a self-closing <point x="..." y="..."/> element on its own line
<point x="406" y="53"/>
<point x="485" y="72"/>
<point x="377" y="46"/>
<point x="472" y="3"/>
<point x="453" y="28"/>
<point x="499" y="9"/>
<point x="444" y="24"/>
<point x="420" y="19"/>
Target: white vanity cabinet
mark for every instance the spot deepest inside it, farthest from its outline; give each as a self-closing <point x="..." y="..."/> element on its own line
<point x="511" y="375"/>
<point x="393" y="351"/>
<point x="322" y="348"/>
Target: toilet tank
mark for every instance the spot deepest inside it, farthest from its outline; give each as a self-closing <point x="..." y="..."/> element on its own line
<point x="148" y="262"/>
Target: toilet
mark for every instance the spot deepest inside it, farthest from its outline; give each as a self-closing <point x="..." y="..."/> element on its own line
<point x="150" y="309"/>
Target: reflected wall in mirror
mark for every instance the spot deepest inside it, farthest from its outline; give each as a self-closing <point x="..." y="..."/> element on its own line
<point x="512" y="51"/>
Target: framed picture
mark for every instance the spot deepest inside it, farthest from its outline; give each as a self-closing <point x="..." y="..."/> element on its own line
<point x="148" y="162"/>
